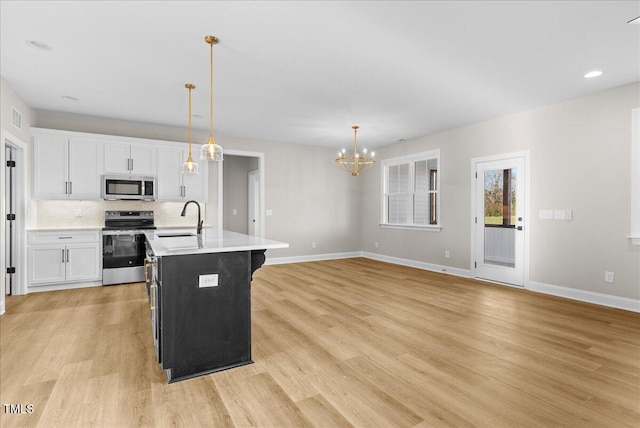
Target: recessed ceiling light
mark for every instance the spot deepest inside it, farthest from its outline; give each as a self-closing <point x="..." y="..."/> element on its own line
<point x="634" y="21"/>
<point x="38" y="45"/>
<point x="594" y="73"/>
<point x="69" y="98"/>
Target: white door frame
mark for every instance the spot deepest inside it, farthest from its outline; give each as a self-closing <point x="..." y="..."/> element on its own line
<point x="20" y="285"/>
<point x="525" y="155"/>
<point x="261" y="166"/>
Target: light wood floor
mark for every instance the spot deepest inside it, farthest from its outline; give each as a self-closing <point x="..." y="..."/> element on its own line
<point x="336" y="343"/>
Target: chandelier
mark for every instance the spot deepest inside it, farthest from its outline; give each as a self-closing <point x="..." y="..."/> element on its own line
<point x="357" y="162"/>
<point x="189" y="167"/>
<point x="211" y="151"/>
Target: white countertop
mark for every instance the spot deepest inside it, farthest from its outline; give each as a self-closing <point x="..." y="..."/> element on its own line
<point x="210" y="241"/>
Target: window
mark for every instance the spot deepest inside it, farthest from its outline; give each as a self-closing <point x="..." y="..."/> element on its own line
<point x="411" y="194"/>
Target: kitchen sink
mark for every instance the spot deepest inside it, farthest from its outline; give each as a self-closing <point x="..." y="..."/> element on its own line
<point x="174" y="235"/>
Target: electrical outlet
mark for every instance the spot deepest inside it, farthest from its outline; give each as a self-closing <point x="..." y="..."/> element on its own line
<point x="447" y="254"/>
<point x="313" y="245"/>
<point x="375" y="244"/>
<point x="235" y="211"/>
<point x="269" y="212"/>
<point x="78" y="212"/>
<point x="608" y="277"/>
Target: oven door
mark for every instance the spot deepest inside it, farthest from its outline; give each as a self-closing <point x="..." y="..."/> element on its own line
<point x="123" y="254"/>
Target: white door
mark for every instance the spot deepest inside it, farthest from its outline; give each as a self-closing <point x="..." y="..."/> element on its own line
<point x="10" y="252"/>
<point x="499" y="220"/>
<point x="254" y="203"/>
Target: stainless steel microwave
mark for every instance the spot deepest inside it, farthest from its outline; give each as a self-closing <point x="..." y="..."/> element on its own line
<point x="129" y="187"/>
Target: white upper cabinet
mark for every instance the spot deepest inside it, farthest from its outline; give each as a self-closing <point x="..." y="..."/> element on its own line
<point x="70" y="165"/>
<point x="85" y="169"/>
<point x="129" y="158"/>
<point x="50" y="167"/>
<point x="173" y="185"/>
<point x="66" y="167"/>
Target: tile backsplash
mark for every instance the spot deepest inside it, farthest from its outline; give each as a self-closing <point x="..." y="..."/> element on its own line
<point x="60" y="214"/>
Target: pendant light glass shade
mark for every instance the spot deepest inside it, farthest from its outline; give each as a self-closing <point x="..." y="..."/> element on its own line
<point x="211" y="151"/>
<point x="189" y="166"/>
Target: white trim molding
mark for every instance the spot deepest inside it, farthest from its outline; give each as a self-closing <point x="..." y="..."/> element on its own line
<point x="635" y="177"/>
<point x="586" y="296"/>
<point x="311" y="258"/>
<point x="416" y="264"/>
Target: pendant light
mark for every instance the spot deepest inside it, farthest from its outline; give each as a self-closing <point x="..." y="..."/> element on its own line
<point x="357" y="162"/>
<point x="190" y="167"/>
<point x="211" y="151"/>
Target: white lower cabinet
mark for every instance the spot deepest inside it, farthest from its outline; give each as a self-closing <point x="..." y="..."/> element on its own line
<point x="63" y="257"/>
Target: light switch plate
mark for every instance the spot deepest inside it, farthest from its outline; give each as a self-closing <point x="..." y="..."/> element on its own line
<point x="205" y="281"/>
<point x="559" y="215"/>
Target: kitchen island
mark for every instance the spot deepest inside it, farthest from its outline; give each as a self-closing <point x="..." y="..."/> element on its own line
<point x="199" y="289"/>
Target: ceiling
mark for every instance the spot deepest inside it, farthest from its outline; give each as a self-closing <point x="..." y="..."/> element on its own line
<point x="304" y="72"/>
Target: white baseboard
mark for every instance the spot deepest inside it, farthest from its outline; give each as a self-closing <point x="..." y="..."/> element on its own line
<point x="586" y="296"/>
<point x="311" y="258"/>
<point x="420" y="265"/>
<point x="64" y="286"/>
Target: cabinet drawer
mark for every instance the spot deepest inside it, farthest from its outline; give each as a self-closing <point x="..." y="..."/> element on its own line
<point x="61" y="237"/>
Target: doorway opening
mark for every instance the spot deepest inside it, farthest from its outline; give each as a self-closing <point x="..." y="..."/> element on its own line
<point x="500" y="218"/>
<point x="241" y="193"/>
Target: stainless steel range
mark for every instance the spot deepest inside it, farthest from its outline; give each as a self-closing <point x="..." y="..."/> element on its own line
<point x="123" y="249"/>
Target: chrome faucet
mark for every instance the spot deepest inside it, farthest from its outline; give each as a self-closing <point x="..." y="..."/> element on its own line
<point x="184" y="212"/>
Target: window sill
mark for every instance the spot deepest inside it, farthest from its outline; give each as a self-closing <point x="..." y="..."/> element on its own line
<point x="635" y="240"/>
<point x="426" y="228"/>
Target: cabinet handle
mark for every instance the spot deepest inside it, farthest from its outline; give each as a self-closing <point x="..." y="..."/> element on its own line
<point x="67" y="255"/>
<point x="66" y="187"/>
<point x="70" y="187"/>
<point x="65" y="237"/>
<point x="131" y="164"/>
<point x="63" y="255"/>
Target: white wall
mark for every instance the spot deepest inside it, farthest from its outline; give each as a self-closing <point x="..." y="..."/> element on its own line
<point x="580" y="152"/>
